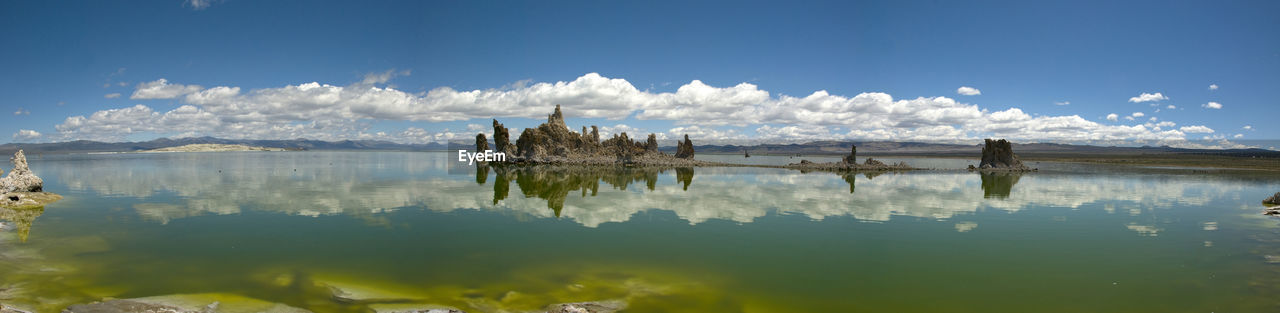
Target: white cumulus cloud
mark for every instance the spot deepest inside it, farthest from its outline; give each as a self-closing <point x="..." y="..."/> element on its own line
<point x="1213" y="86"/>
<point x="333" y="112"/>
<point x="1148" y="97"/>
<point x="26" y="135"/>
<point x="968" y="91"/>
<point x="1113" y="117"/>
<point x="162" y="89"/>
<point x="1212" y="105"/>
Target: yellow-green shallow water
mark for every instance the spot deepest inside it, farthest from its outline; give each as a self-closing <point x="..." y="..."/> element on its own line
<point x="362" y="231"/>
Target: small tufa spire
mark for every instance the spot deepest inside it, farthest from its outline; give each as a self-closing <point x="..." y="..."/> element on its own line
<point x="557" y="118"/>
<point x="20" y="178"/>
<point x="852" y="158"/>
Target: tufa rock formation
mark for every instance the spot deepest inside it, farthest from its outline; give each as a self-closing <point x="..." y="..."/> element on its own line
<point x="1274" y="199"/>
<point x="552" y="138"/>
<point x="852" y="158"/>
<point x="20" y="179"/>
<point x="21" y="189"/>
<point x="553" y="142"/>
<point x="848" y="163"/>
<point x="998" y="155"/>
<point x="482" y="143"/>
<point x="684" y="149"/>
<point x="502" y="139"/>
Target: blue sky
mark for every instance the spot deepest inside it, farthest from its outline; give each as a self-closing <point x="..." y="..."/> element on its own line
<point x="419" y="71"/>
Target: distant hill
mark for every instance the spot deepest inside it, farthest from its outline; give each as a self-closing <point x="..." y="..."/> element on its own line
<point x="86" y="146"/>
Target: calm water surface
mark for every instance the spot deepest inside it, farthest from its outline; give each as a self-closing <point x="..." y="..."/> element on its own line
<point x="392" y="228"/>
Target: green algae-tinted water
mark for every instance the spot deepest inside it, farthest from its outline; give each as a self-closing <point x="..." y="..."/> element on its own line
<point x="395" y="229"/>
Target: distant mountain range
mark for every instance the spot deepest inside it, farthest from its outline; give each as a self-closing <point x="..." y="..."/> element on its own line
<point x="86" y="146"/>
<point x="816" y="147"/>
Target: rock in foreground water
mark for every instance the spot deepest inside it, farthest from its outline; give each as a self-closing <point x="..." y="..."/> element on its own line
<point x="588" y="307"/>
<point x="184" y="303"/>
<point x="1274" y="199"/>
<point x="21" y="189"/>
<point x="20" y="179"/>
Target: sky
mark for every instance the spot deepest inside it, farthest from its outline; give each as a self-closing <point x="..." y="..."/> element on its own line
<point x="1180" y="73"/>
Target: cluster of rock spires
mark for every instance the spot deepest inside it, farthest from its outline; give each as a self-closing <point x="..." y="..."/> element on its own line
<point x="553" y="143"/>
<point x="850" y="163"/>
<point x="22" y="188"/>
<point x="998" y="155"/>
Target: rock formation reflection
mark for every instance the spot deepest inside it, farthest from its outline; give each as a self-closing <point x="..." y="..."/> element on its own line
<point x="851" y="177"/>
<point x="998" y="185"/>
<point x="553" y="183"/>
<point x="167" y="187"/>
<point x="20" y="220"/>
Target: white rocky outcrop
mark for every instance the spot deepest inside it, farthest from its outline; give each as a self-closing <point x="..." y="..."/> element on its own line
<point x="20" y="179"/>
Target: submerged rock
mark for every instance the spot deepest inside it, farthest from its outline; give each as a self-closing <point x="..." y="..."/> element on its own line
<point x="184" y="303"/>
<point x="125" y="306"/>
<point x="1274" y="199"/>
<point x="20" y="179"/>
<point x="588" y="307"/>
<point x="5" y="308"/>
<point x="27" y="200"/>
<point x="413" y="308"/>
<point x="998" y="154"/>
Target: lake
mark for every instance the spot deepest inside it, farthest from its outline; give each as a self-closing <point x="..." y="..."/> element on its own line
<point x="355" y="231"/>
